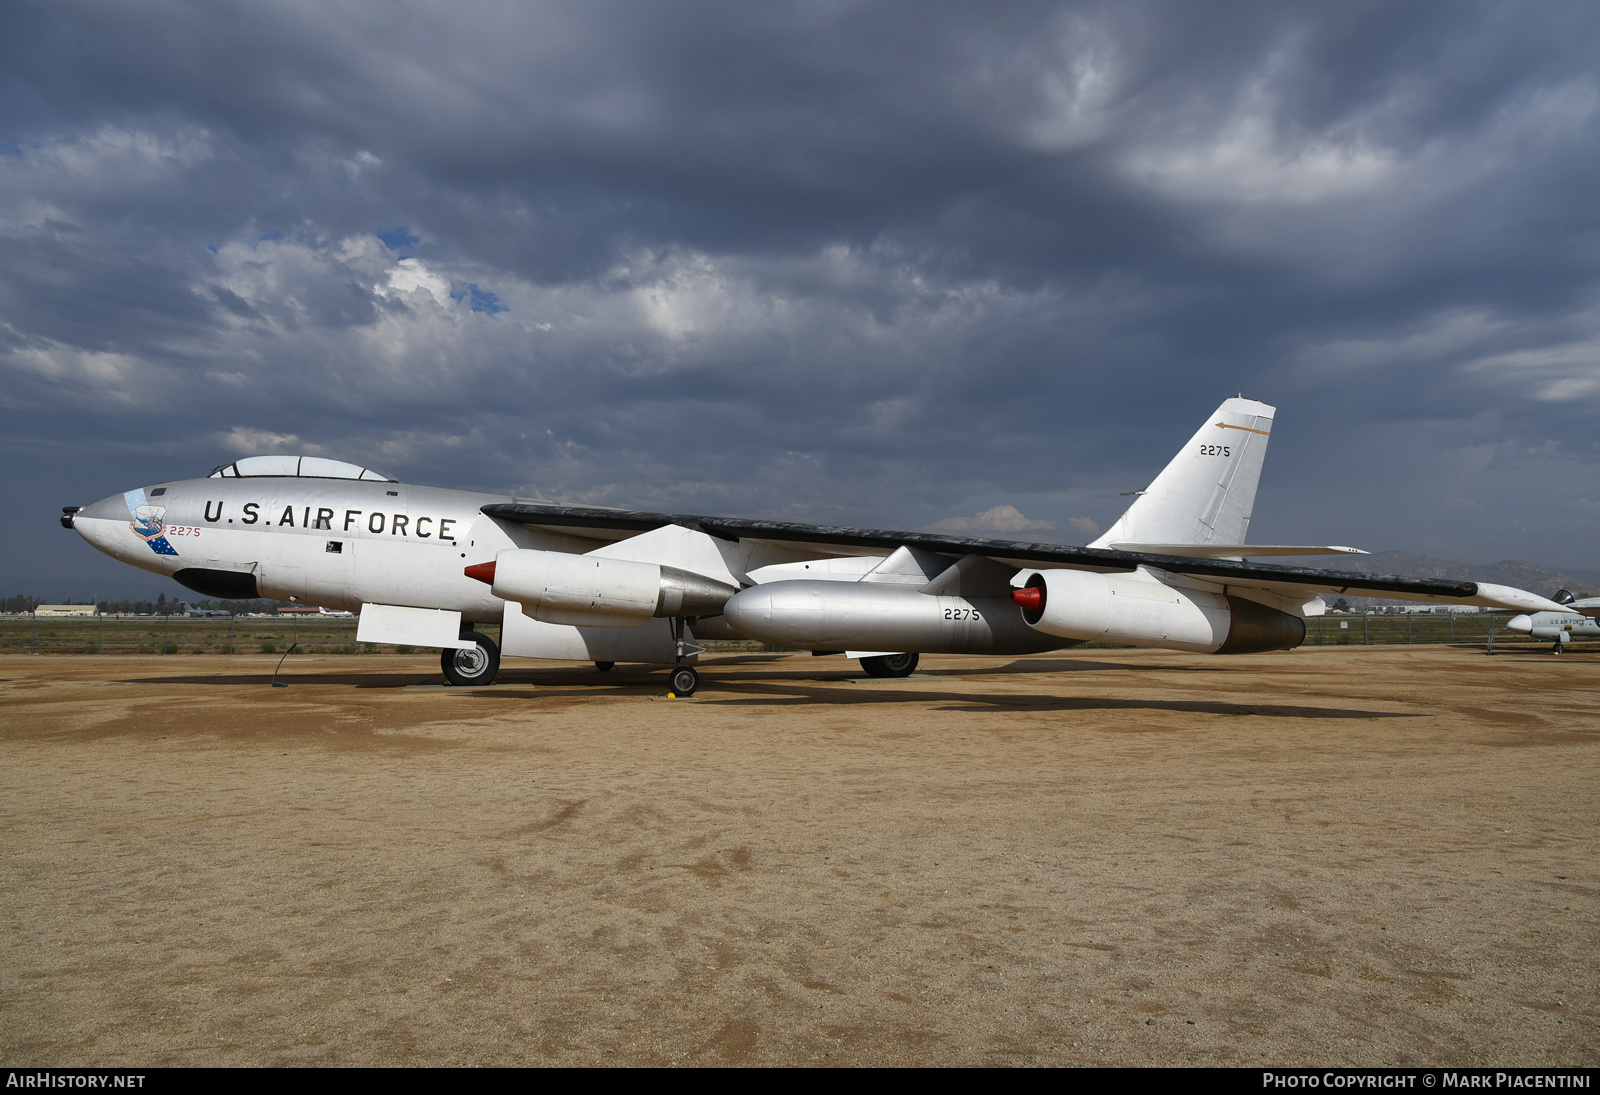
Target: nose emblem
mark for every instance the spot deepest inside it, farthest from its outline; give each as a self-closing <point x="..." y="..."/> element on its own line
<point x="147" y="523"/>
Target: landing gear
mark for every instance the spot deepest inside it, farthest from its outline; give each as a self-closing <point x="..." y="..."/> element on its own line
<point x="683" y="680"/>
<point x="1556" y="649"/>
<point x="604" y="667"/>
<point x="890" y="665"/>
<point x="474" y="665"/>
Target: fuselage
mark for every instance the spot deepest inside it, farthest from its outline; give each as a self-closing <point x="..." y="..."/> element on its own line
<point x="1556" y="626"/>
<point x="344" y="542"/>
<point x="331" y="542"/>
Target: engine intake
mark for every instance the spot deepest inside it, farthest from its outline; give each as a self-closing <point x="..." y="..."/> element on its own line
<point x="592" y="591"/>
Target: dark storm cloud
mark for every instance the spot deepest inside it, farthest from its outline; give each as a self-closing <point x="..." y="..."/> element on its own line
<point x="867" y="262"/>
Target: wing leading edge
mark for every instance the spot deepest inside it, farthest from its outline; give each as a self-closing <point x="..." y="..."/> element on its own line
<point x="1285" y="579"/>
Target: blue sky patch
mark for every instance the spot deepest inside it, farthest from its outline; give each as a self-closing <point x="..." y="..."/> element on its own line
<point x="399" y="239"/>
<point x="482" y="299"/>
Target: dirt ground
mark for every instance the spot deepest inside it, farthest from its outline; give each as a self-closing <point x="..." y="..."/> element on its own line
<point x="1354" y="855"/>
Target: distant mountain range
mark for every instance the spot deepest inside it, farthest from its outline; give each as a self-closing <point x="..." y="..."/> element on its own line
<point x="1508" y="572"/>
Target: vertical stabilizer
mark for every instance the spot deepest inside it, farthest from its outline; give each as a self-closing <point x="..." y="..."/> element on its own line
<point x="1205" y="495"/>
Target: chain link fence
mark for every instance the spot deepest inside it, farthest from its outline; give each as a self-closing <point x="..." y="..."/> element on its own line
<point x="183" y="635"/>
<point x="1408" y="627"/>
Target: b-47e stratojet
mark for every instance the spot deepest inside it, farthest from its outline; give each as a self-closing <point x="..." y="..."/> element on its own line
<point x="1576" y="619"/>
<point x="423" y="565"/>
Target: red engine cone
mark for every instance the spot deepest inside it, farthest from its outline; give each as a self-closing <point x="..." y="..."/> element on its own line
<point x="1031" y="598"/>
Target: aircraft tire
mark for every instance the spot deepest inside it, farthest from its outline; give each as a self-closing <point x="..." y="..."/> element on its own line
<point x="683" y="680"/>
<point x="890" y="665"/>
<point x="466" y="668"/>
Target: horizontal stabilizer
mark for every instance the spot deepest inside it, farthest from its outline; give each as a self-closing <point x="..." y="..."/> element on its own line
<point x="1235" y="551"/>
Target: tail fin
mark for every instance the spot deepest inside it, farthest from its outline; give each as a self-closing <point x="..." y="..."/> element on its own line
<point x="1206" y="493"/>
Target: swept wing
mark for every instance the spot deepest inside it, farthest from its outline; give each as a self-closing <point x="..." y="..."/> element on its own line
<point x="829" y="540"/>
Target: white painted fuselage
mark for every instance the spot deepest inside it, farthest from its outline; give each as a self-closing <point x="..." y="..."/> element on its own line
<point x="1559" y="627"/>
<point x="330" y="542"/>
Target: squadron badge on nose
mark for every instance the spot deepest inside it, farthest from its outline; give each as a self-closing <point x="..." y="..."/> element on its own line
<point x="148" y="524"/>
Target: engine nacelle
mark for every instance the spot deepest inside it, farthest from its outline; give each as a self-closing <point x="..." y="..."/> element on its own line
<point x="880" y="616"/>
<point x="1139" y="610"/>
<point x="591" y="591"/>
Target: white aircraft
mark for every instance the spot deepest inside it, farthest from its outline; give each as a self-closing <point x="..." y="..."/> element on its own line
<point x="423" y="565"/>
<point x="1574" y="620"/>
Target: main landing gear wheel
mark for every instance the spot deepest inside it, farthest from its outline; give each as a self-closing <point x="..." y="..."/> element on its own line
<point x="890" y="665"/>
<point x="683" y="680"/>
<point x="475" y="665"/>
<point x="1556" y="649"/>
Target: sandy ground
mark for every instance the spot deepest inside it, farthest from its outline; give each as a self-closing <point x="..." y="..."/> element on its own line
<point x="1334" y="856"/>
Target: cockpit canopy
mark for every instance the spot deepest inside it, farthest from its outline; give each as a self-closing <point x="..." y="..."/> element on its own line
<point x="306" y="467"/>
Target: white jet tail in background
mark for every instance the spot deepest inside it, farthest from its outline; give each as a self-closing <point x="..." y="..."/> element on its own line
<point x="1205" y="495"/>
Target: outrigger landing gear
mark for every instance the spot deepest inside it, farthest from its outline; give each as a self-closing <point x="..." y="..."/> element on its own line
<point x="1556" y="649"/>
<point x="684" y="679"/>
<point x="476" y="665"/>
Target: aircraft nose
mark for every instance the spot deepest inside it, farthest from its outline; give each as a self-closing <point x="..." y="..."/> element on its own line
<point x="1520" y="623"/>
<point x="80" y="518"/>
<point x="104" y="524"/>
<point x="107" y="509"/>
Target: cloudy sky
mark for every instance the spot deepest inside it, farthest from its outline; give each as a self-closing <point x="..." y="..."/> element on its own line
<point x="903" y="265"/>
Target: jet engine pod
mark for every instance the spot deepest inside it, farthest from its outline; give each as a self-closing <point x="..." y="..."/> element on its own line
<point x="1141" y="610"/>
<point x="590" y="591"/>
<point x="812" y="615"/>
